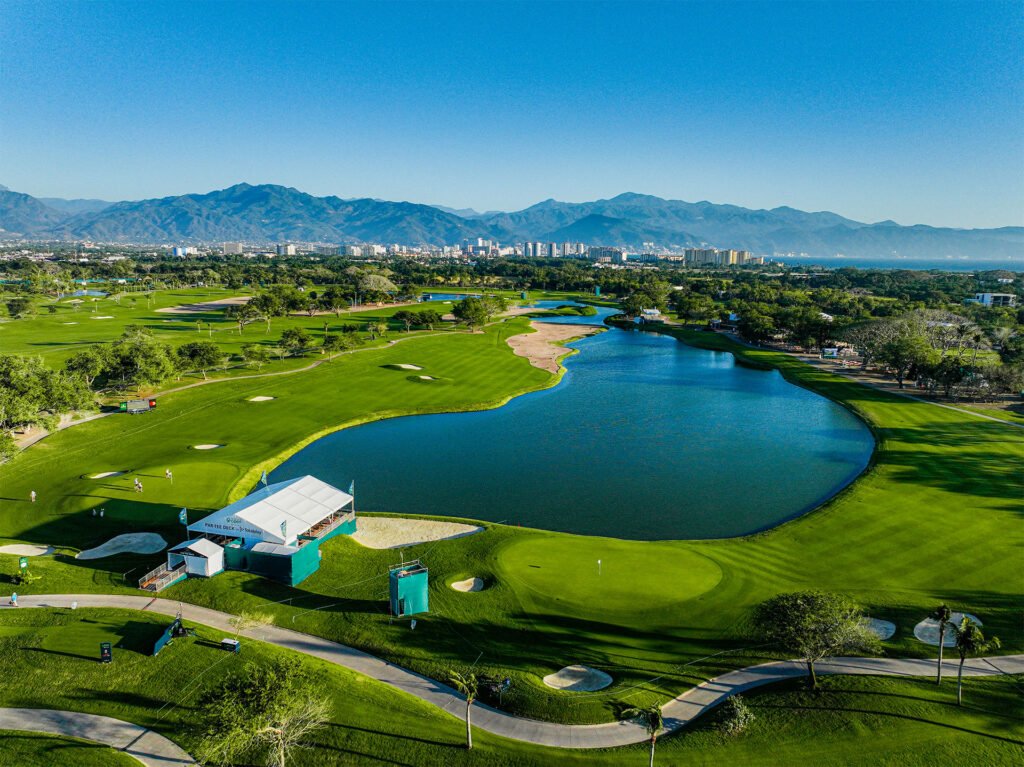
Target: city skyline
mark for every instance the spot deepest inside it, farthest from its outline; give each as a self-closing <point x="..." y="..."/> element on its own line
<point x="907" y="112"/>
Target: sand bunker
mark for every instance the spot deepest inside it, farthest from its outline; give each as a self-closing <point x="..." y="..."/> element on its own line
<point x="106" y="474"/>
<point x="406" y="366"/>
<point x="578" y="679"/>
<point x="397" y="532"/>
<point x="129" y="543"/>
<point x="261" y="399"/>
<point x="206" y="447"/>
<point x="426" y="378"/>
<point x="470" y="584"/>
<point x="26" y="550"/>
<point x="205" y="306"/>
<point x="927" y="631"/>
<point x="542" y="347"/>
<point x="69" y="323"/>
<point x="102" y="317"/>
<point x="881" y="629"/>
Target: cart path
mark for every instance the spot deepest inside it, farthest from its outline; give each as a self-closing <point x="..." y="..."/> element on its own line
<point x="678" y="712"/>
<point x="136" y="741"/>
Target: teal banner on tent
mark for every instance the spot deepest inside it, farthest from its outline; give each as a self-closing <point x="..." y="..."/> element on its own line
<point x="183" y="516"/>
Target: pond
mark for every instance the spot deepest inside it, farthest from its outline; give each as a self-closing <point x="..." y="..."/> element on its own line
<point x="644" y="438"/>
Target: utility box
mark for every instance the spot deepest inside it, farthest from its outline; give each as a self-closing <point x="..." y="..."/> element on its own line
<point x="407" y="584"/>
<point x="137" y="406"/>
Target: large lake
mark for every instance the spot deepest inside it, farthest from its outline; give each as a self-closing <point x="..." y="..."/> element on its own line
<point x="644" y="437"/>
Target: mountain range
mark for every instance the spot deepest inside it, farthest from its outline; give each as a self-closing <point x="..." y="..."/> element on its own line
<point x="267" y="213"/>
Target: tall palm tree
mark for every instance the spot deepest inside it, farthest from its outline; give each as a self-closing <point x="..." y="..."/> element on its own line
<point x="941" y="614"/>
<point x="467" y="685"/>
<point x="652" y="720"/>
<point x="970" y="641"/>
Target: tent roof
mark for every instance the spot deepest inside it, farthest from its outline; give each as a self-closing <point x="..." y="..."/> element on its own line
<point x="263" y="547"/>
<point x="204" y="547"/>
<point x="301" y="503"/>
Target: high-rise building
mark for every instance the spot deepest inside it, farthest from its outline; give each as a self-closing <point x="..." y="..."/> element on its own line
<point x="615" y="255"/>
<point x="232" y="249"/>
<point x="552" y="250"/>
<point x="286" y="250"/>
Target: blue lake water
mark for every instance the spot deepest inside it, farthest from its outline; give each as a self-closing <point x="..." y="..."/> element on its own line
<point x="644" y="438"/>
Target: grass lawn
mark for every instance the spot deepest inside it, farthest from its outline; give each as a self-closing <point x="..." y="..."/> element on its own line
<point x="868" y="721"/>
<point x="936" y="518"/>
<point x="36" y="749"/>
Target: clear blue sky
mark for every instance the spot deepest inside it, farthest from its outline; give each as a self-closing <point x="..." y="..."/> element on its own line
<point x="911" y="111"/>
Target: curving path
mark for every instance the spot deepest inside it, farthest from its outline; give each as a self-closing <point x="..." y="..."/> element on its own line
<point x="144" y="745"/>
<point x="677" y="713"/>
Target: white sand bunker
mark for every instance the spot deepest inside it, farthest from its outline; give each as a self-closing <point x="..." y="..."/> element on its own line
<point x="578" y="679"/>
<point x="69" y="323"/>
<point x="470" y="584"/>
<point x="881" y="629"/>
<point x="106" y="474"/>
<point x="103" y="317"/>
<point x="26" y="550"/>
<point x="261" y="399"/>
<point x="426" y="378"/>
<point x="206" y="447"/>
<point x="396" y="532"/>
<point x="129" y="543"/>
<point x="407" y="366"/>
<point x="927" y="631"/>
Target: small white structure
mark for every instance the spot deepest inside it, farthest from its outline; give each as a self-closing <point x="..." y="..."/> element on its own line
<point x="201" y="557"/>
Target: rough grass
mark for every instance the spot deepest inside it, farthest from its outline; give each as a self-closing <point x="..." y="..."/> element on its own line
<point x="36" y="749"/>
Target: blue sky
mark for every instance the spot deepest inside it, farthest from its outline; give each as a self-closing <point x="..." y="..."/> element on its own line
<point x="910" y="111"/>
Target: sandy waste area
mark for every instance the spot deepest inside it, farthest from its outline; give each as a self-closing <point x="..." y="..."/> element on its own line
<point x="396" y="532"/>
<point x="206" y="306"/>
<point x="542" y="347"/>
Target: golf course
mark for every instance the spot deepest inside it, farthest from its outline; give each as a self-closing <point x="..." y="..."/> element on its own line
<point x="935" y="517"/>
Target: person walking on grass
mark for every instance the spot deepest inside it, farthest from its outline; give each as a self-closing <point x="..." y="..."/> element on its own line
<point x="32" y="496"/>
<point x="169" y="476"/>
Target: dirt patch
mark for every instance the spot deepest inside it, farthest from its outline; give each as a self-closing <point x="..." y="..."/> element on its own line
<point x="470" y="584"/>
<point x="396" y="532"/>
<point x="578" y="679"/>
<point x="129" y="543"/>
<point x="26" y="550"/>
<point x="543" y="347"/>
<point x="205" y="306"/>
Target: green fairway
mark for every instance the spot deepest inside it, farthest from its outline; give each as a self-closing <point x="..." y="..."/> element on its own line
<point x="935" y="518"/>
<point x="868" y="721"/>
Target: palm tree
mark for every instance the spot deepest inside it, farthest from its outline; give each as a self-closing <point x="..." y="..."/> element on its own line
<point x="941" y="614"/>
<point x="970" y="641"/>
<point x="652" y="720"/>
<point x="467" y="685"/>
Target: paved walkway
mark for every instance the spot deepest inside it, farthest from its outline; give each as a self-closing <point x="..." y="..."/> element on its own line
<point x="144" y="745"/>
<point x="677" y="712"/>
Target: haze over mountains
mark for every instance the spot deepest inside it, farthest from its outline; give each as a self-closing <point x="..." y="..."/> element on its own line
<point x="269" y="213"/>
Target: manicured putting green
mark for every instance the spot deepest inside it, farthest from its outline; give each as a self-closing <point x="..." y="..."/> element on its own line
<point x="651" y="575"/>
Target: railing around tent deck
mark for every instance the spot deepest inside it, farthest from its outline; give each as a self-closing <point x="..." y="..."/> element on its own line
<point x="325" y="526"/>
<point x="157" y="579"/>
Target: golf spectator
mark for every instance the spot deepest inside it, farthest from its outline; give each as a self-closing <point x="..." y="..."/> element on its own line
<point x="32" y="495"/>
<point x="168" y="474"/>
